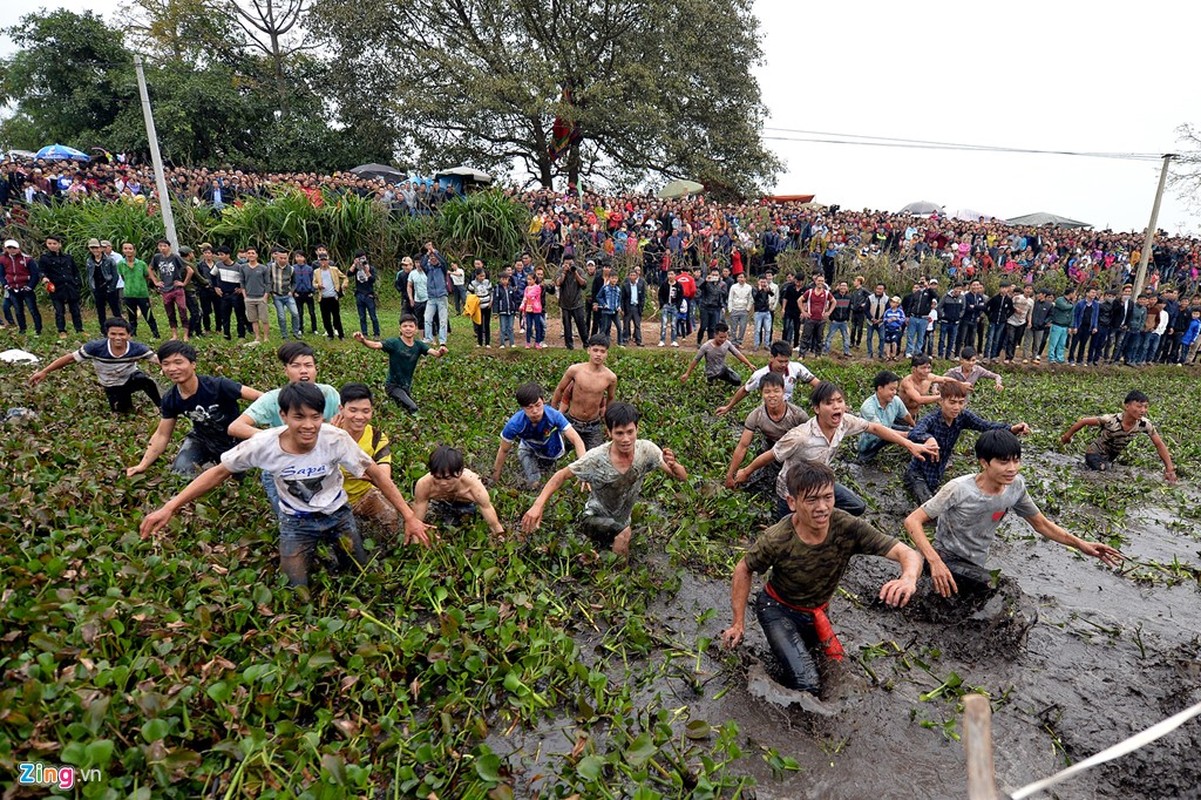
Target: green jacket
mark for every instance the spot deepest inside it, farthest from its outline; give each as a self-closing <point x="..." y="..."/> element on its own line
<point x="135" y="277"/>
<point x="1061" y="314"/>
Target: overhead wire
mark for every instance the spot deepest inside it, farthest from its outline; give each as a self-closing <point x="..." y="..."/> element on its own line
<point x="862" y="140"/>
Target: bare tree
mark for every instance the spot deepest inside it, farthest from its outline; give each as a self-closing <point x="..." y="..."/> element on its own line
<point x="273" y="27"/>
<point x="1184" y="176"/>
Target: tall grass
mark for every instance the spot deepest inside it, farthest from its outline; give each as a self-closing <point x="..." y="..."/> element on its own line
<point x="488" y="225"/>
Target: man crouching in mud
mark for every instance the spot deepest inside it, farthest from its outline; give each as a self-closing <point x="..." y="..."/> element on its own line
<point x="808" y="553"/>
<point x="970" y="508"/>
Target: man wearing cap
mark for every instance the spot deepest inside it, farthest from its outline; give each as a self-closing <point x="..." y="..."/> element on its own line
<point x="61" y="277"/>
<point x="102" y="275"/>
<point x="21" y="276"/>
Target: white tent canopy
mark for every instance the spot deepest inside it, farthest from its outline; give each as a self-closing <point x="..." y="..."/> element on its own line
<point x="467" y="173"/>
<point x="922" y="207"/>
<point x="971" y="215"/>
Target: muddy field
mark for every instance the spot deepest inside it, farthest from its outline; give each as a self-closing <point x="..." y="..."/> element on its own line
<point x="1074" y="657"/>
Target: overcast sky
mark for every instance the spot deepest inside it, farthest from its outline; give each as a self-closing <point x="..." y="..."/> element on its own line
<point x="1036" y="75"/>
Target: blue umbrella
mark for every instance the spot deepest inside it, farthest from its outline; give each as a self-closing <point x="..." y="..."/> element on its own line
<point x="59" y="152"/>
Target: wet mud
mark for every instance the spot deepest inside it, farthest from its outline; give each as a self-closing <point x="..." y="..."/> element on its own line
<point x="1074" y="656"/>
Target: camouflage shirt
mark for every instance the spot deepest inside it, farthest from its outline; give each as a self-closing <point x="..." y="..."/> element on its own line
<point x="1112" y="439"/>
<point x="806" y="575"/>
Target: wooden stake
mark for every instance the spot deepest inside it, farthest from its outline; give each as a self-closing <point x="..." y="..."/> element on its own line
<point x="977" y="747"/>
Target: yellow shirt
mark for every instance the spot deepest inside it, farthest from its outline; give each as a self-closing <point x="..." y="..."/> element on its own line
<point x="375" y="444"/>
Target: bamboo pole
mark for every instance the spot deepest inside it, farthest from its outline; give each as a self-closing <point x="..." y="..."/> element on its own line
<point x="977" y="747"/>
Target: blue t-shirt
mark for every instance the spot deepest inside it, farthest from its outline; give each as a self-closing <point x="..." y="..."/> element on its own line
<point x="544" y="437"/>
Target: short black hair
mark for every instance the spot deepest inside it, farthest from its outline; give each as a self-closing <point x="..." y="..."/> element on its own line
<point x="528" y="394"/>
<point x="355" y="391"/>
<point x="807" y="477"/>
<point x="619" y="415"/>
<point x="780" y="348"/>
<point x="1135" y="396"/>
<point x="967" y="352"/>
<point x="885" y="377"/>
<point x="290" y="351"/>
<point x="721" y="327"/>
<point x="115" y="322"/>
<point x="300" y="396"/>
<point x="999" y="443"/>
<point x="407" y="318"/>
<point x="279" y="248"/>
<point x="163" y="240"/>
<point x="825" y="390"/>
<point x="55" y="237"/>
<point x="176" y="348"/>
<point x="920" y="360"/>
<point x="446" y="462"/>
<point x="771" y="379"/>
<point x="224" y="250"/>
<point x="598" y="340"/>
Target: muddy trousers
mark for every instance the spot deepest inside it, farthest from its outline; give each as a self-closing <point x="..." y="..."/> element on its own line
<point x="401" y="396"/>
<point x="792" y="639"/>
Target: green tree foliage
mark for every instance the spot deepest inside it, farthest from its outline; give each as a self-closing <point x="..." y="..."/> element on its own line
<point x="657" y="87"/>
<point x="64" y="79"/>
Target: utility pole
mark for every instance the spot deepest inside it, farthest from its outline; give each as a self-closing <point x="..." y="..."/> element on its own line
<point x="160" y="177"/>
<point x="1141" y="278"/>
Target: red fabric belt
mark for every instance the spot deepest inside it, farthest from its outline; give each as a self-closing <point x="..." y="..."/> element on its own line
<point x="821" y="623"/>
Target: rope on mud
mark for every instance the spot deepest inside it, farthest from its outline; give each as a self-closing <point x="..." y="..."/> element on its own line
<point x="1120" y="749"/>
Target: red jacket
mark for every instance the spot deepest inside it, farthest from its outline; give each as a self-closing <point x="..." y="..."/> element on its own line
<point x="21" y="272"/>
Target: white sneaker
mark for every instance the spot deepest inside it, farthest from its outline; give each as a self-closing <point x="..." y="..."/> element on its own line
<point x="660" y="342"/>
<point x="487" y="347"/>
<point x="675" y="344"/>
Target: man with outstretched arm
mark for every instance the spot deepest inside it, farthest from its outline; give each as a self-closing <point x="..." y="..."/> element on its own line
<point x="115" y="358"/>
<point x="1117" y="431"/>
<point x="614" y="475"/>
<point x="303" y="456"/>
<point x="808" y="553"/>
<point x="781" y="363"/>
<point x="970" y="508"/>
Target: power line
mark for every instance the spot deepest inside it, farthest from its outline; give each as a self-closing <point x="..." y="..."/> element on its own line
<point x="827" y="137"/>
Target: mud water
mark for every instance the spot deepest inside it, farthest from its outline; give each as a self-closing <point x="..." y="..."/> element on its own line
<point x="1075" y="657"/>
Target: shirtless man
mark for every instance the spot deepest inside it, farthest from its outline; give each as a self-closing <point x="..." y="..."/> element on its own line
<point x="454" y="490"/>
<point x="586" y="390"/>
<point x="917" y="388"/>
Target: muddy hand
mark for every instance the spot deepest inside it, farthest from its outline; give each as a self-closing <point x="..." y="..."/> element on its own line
<point x="944" y="583"/>
<point x="732" y="636"/>
<point x="897" y="592"/>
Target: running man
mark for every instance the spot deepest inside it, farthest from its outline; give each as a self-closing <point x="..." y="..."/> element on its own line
<point x="808" y="552"/>
<point x="115" y="358"/>
<point x="781" y="363"/>
<point x="970" y="508"/>
<point x="355" y="411"/>
<point x="773" y="418"/>
<point x="403" y="354"/>
<point x="1117" y="431"/>
<point x="714" y="353"/>
<point x="584" y="392"/>
<point x="450" y="490"/>
<point x="538" y="430"/>
<point x="614" y="474"/>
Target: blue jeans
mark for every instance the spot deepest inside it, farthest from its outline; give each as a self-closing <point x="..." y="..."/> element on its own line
<point x="667" y="324"/>
<point x="915" y="335"/>
<point x="366" y="305"/>
<point x="994" y="339"/>
<point x="21" y="300"/>
<point x="194" y="455"/>
<point x="268" y="480"/>
<point x="506" y="330"/>
<point x="763" y="329"/>
<point x="791" y="636"/>
<point x="286" y="302"/>
<point x="1057" y="343"/>
<point x="947" y="333"/>
<point x="534" y="465"/>
<point x="535" y="327"/>
<point x="1134" y="345"/>
<point x="1149" y="349"/>
<point x="299" y="537"/>
<point x="876" y="331"/>
<point x="844" y="329"/>
<point x="439" y="307"/>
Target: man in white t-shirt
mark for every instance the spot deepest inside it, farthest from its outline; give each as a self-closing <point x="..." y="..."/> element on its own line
<point x="303" y="457"/>
<point x="781" y="363"/>
<point x="970" y="508"/>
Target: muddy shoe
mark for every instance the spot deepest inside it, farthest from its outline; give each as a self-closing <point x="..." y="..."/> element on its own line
<point x="760" y="685"/>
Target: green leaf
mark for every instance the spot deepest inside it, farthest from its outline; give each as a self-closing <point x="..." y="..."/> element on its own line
<point x="487" y="767"/>
<point x="155" y="729"/>
<point x="219" y="692"/>
<point x="590" y="767"/>
<point x="640" y="750"/>
<point x="99" y="752"/>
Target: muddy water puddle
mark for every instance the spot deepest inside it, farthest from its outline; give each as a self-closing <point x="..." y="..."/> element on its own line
<point x="1076" y="657"/>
